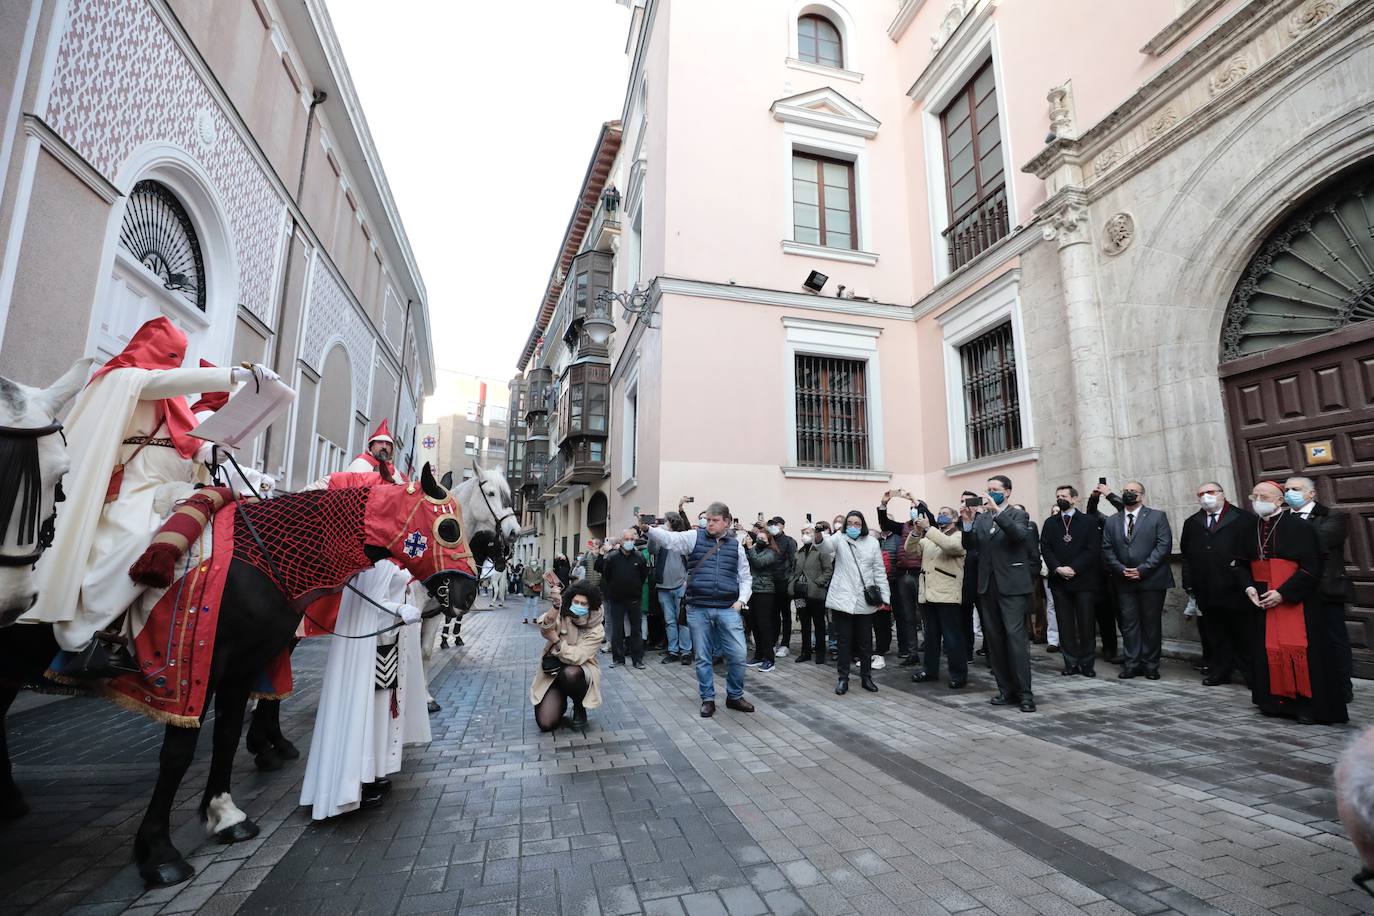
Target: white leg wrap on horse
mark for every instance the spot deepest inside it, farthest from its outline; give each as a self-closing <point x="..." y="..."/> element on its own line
<point x="222" y="813"/>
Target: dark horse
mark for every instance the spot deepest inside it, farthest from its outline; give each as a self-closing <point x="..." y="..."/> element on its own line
<point x="259" y="614"/>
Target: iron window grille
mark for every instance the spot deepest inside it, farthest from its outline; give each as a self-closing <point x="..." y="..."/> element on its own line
<point x="991" y="402"/>
<point x="832" y="412"/>
<point x="158" y="233"/>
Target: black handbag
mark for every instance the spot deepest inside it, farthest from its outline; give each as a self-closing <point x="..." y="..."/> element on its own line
<point x="386" y="666"/>
<point x="551" y="664"/>
<point x="872" y="596"/>
<point x="800" y="586"/>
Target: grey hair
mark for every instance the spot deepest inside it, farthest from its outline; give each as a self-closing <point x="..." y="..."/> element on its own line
<point x="1355" y="782"/>
<point x="719" y="509"/>
<point x="1308" y="484"/>
<point x="1212" y="483"/>
<point x="1137" y="483"/>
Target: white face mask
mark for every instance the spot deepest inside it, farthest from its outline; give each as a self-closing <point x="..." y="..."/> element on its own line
<point x="774" y="530"/>
<point x="1210" y="501"/>
<point x="1263" y="508"/>
<point x="806" y="539"/>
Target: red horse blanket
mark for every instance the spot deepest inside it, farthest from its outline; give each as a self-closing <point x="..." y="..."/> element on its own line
<point x="176" y="645"/>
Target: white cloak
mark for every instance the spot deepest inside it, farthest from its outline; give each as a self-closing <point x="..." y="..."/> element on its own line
<point x="83" y="579"/>
<point x="356" y="740"/>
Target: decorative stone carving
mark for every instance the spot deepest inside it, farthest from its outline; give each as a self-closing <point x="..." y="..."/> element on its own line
<point x="1068" y="225"/>
<point x="1118" y="234"/>
<point x="958" y="9"/>
<point x="1110" y="157"/>
<point x="1310" y="15"/>
<point x="207" y="132"/>
<point x="1230" y="73"/>
<point x="1161" y="122"/>
<point x="1061" y="112"/>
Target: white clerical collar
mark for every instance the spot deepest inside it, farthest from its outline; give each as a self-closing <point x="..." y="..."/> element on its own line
<point x="1307" y="509"/>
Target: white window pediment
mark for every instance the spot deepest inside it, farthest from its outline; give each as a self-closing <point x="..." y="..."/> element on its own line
<point x="826" y="109"/>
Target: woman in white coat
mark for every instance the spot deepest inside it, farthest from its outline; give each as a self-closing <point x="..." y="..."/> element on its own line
<point x="857" y="588"/>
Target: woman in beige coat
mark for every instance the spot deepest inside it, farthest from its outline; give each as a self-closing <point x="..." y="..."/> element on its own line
<point x="568" y="667"/>
<point x="941" y="549"/>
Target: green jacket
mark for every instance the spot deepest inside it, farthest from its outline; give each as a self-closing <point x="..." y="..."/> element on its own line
<point x="816" y="567"/>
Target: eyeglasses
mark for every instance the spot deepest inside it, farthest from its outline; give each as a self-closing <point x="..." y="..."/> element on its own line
<point x="1362" y="880"/>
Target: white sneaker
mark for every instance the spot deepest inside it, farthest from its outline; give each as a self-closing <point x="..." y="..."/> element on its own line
<point x="780" y="651"/>
<point x="878" y="663"/>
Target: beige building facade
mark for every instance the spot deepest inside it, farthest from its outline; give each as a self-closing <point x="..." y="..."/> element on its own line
<point x="207" y="161"/>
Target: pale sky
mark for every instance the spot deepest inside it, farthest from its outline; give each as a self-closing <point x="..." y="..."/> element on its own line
<point x="484" y="114"/>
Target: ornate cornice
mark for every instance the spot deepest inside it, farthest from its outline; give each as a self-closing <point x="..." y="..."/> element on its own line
<point x="1174" y="32"/>
<point x="1064" y="218"/>
<point x="1252" y="49"/>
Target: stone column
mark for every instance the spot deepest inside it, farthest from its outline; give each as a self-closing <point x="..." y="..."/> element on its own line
<point x="1066" y="222"/>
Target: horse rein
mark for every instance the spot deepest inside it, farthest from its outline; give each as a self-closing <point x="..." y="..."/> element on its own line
<point x="47" y="530"/>
<point x="500" y="538"/>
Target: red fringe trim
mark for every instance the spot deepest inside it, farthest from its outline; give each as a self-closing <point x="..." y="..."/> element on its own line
<point x="156" y="568"/>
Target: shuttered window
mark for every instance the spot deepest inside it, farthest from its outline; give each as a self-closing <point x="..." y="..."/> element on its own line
<point x="832" y="412"/>
<point x="991" y="403"/>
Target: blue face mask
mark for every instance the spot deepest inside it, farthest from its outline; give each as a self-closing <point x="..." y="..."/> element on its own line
<point x="996" y="497"/>
<point x="853" y="531"/>
<point x="701" y="523"/>
<point x="943" y="520"/>
<point x="578" y="610"/>
<point x="1295" y="498"/>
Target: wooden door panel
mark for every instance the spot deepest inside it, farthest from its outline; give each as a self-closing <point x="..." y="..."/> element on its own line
<point x="1330" y="393"/>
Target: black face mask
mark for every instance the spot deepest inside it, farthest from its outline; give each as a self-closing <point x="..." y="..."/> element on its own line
<point x="1130" y="497"/>
<point x="1063" y="504"/>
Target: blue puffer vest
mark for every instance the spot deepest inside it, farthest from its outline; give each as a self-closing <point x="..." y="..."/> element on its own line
<point x="713" y="582"/>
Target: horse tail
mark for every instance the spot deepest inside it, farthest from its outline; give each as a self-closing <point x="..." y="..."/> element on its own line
<point x="156" y="567"/>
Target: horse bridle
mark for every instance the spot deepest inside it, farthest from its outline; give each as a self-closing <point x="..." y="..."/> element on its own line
<point x="47" y="530"/>
<point x="500" y="537"/>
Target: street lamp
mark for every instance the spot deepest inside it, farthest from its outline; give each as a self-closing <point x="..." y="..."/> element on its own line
<point x="636" y="301"/>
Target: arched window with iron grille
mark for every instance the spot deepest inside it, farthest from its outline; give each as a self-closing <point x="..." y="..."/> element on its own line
<point x="157" y="231"/>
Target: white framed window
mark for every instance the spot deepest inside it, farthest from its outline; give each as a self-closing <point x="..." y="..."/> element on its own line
<point x="822" y="39"/>
<point x="327" y="458"/>
<point x="470" y="445"/>
<point x="833" y="385"/>
<point x="629" y="430"/>
<point x="951" y="75"/>
<point x="980" y="384"/>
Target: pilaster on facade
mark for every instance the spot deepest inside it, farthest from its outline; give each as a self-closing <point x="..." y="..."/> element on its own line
<point x="1064" y="218"/>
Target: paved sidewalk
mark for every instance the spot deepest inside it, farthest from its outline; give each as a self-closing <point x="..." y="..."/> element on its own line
<point x="1117" y="797"/>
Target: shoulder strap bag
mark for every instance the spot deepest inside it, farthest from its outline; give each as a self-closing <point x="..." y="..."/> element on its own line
<point x="872" y="596"/>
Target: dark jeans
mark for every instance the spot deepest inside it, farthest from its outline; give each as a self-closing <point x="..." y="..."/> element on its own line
<point x="813" y="615"/>
<point x="617" y="609"/>
<point x="762" y="622"/>
<point x="905" y="610"/>
<point x="943" y="624"/>
<point x="1005" y="639"/>
<point x="1141" y="615"/>
<point x="1228" y="639"/>
<point x="782" y="613"/>
<point x="882" y="632"/>
<point x="1077" y="616"/>
<point x="853" y="636"/>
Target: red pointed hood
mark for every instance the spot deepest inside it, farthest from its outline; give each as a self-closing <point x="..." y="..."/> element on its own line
<point x="383" y="434"/>
<point x="209" y="400"/>
<point x="159" y="344"/>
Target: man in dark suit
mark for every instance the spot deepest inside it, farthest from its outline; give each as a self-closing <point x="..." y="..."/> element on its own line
<point x="1108" y="608"/>
<point x="1300" y="494"/>
<point x="1002" y="534"/>
<point x="1214" y="540"/>
<point x="1135" y="551"/>
<point x="1071" y="546"/>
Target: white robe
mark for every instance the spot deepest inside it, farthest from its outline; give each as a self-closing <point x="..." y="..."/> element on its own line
<point x="356" y="740"/>
<point x="83" y="579"/>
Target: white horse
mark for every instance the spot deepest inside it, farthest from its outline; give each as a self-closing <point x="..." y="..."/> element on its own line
<point x="33" y="460"/>
<point x="486" y="501"/>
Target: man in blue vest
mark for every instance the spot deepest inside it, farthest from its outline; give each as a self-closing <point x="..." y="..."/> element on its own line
<point x="718" y="585"/>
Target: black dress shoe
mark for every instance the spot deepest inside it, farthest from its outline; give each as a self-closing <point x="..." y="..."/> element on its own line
<point x="1151" y="675"/>
<point x="1028" y="704"/>
<point x="1087" y="672"/>
<point x="371" y="796"/>
<point x="804" y="657"/>
<point x="708" y="708"/>
<point x="981" y="652"/>
<point x="1118" y="659"/>
<point x="999" y="700"/>
<point x="639" y="665"/>
<point x="688" y="660"/>
<point x="1068" y="672"/>
<point x="910" y="661"/>
<point x="579" y="715"/>
<point x="739" y="704"/>
<point x="433" y="707"/>
<point x="820" y="658"/>
<point x="842" y="686"/>
<point x="1128" y="673"/>
<point x="382" y="785"/>
<point x="921" y="677"/>
<point x="1215" y="680"/>
<point x="670" y="658"/>
<point x="958" y="684"/>
<point x="1306" y="718"/>
<point x="867" y="684"/>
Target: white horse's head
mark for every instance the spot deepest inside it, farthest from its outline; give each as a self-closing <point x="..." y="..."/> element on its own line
<point x="486" y="501"/>
<point x="33" y="458"/>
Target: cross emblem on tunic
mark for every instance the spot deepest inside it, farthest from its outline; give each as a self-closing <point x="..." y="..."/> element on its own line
<point x="416" y="544"/>
<point x="429" y="442"/>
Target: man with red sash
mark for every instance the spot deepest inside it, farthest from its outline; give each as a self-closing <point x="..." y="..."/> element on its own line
<point x="381" y="450"/>
<point x="1293" y="662"/>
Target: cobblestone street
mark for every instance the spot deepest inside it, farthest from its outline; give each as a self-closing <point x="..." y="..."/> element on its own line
<point x="1116" y="797"/>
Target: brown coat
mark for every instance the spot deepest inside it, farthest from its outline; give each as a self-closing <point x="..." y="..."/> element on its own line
<point x="578" y="643"/>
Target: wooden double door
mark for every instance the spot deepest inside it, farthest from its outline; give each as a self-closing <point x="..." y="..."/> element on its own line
<point x="1308" y="410"/>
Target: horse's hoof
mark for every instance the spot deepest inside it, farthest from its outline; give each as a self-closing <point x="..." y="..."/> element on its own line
<point x="166" y="874"/>
<point x="237" y="833"/>
<point x="268" y="761"/>
<point x="286" y="750"/>
<point x="13" y="806"/>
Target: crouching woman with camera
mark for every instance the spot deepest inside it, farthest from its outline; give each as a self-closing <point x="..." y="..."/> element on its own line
<point x="568" y="668"/>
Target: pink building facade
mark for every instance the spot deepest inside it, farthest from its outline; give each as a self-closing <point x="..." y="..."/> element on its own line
<point x="1061" y="241"/>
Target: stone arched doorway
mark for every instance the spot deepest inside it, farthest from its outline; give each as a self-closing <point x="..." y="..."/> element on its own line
<point x="1297" y="368"/>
